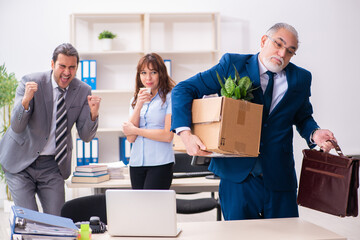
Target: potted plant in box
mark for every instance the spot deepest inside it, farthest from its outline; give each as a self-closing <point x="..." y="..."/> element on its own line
<point x="106" y="37"/>
<point x="8" y="84"/>
<point x="236" y="88"/>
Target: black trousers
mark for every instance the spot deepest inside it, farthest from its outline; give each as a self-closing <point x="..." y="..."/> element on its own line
<point x="152" y="177"/>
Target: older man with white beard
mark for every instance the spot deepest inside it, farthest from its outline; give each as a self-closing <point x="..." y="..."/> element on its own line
<point x="263" y="186"/>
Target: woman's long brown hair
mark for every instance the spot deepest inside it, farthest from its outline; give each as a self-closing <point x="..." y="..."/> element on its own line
<point x="157" y="64"/>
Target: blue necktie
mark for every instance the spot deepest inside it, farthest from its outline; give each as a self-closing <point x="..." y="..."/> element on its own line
<point x="257" y="170"/>
<point x="268" y="94"/>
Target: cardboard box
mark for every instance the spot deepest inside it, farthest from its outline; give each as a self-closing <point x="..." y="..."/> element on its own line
<point x="226" y="126"/>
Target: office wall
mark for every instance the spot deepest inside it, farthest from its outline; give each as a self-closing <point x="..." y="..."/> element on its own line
<point x="329" y="32"/>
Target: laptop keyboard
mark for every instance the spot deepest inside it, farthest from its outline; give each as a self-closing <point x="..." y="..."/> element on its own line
<point x="192" y="174"/>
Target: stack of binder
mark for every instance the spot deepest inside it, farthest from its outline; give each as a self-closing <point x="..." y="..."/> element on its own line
<point x="87" y="152"/>
<point x="93" y="173"/>
<point x="88" y="73"/>
<point x="28" y="224"/>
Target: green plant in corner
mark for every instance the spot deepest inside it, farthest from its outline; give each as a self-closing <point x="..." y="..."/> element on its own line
<point x="106" y="34"/>
<point x="8" y="84"/>
<point x="236" y="88"/>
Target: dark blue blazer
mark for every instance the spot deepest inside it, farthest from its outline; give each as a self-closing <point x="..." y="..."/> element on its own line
<point x="276" y="146"/>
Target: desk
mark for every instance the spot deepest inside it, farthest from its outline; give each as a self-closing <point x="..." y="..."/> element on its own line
<point x="180" y="185"/>
<point x="277" y="229"/>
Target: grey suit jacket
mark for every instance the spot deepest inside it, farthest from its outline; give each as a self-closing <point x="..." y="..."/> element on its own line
<point x="29" y="131"/>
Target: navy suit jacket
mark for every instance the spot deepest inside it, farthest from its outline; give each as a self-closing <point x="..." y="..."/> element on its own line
<point x="276" y="144"/>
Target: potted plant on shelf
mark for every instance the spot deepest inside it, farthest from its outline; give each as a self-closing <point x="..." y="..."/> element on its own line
<point x="8" y="84"/>
<point x="106" y="37"/>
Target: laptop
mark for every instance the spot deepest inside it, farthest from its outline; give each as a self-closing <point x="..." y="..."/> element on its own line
<point x="150" y="213"/>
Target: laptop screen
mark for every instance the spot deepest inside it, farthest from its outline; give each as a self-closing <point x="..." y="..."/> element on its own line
<point x="141" y="212"/>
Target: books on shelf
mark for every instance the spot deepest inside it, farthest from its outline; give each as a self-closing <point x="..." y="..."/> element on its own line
<point x="97" y="179"/>
<point x="91" y="168"/>
<point x="29" y="224"/>
<point x="90" y="174"/>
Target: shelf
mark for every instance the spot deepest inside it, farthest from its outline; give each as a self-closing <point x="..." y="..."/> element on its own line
<point x="96" y="53"/>
<point x="190" y="40"/>
<point x="100" y="91"/>
<point x="158" y="51"/>
<point x="186" y="52"/>
<point x="110" y="130"/>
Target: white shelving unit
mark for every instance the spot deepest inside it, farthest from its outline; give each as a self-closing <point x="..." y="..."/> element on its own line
<point x="189" y="40"/>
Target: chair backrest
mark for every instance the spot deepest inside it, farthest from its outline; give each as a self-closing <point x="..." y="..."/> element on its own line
<point x="81" y="209"/>
<point x="186" y="163"/>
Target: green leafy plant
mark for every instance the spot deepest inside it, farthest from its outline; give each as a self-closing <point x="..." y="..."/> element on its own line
<point x="236" y="88"/>
<point x="8" y="84"/>
<point x="107" y="34"/>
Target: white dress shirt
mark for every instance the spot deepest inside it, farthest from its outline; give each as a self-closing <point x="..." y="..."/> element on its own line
<point x="50" y="146"/>
<point x="280" y="84"/>
<point x="145" y="151"/>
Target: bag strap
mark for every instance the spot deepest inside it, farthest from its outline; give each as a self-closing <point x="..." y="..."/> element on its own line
<point x="336" y="146"/>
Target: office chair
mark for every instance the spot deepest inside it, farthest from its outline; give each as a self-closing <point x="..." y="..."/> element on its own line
<point x="82" y="208"/>
<point x="193" y="206"/>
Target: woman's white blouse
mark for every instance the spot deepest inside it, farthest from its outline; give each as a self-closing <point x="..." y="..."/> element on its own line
<point x="147" y="152"/>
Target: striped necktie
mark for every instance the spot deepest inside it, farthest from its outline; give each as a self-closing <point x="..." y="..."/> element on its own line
<point x="268" y="94"/>
<point x="61" y="128"/>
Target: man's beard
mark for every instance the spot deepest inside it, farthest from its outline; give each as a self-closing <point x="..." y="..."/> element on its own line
<point x="273" y="67"/>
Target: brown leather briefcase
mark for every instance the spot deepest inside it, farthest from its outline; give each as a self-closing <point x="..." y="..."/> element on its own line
<point x="329" y="183"/>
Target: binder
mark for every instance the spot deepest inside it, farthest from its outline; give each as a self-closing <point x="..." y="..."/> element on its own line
<point x="79" y="71"/>
<point x="168" y="66"/>
<point x="128" y="146"/>
<point x="124" y="150"/>
<point x="79" y="152"/>
<point x="87" y="153"/>
<point x="85" y="70"/>
<point x="20" y="236"/>
<point x="89" y="72"/>
<point x="92" y="80"/>
<point x="95" y="150"/>
<point x="27" y="222"/>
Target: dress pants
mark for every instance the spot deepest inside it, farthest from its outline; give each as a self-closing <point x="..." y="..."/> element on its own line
<point x="250" y="199"/>
<point x="152" y="177"/>
<point x="43" y="178"/>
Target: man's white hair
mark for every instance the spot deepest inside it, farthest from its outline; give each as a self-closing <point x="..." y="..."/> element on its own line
<point x="286" y="26"/>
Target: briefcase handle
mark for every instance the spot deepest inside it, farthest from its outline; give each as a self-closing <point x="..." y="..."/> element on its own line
<point x="336" y="146"/>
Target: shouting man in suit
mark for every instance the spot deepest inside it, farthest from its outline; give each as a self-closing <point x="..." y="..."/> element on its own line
<point x="263" y="186"/>
<point x="35" y="152"/>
